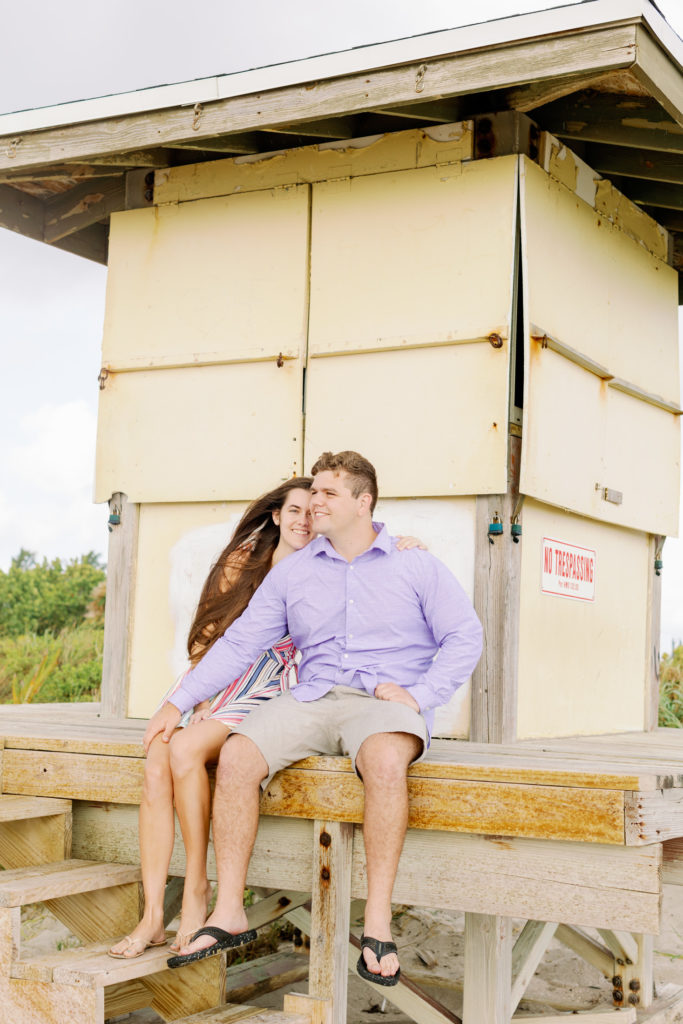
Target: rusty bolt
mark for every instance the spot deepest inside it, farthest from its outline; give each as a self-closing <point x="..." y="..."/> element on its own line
<point x="484" y="125"/>
<point x="284" y="901"/>
<point x="634" y="999"/>
<point x="149" y="194"/>
<point x="496" y="340"/>
<point x="325" y="874"/>
<point x="325" y="838"/>
<point x="634" y="985"/>
<point x="149" y="179"/>
<point x="617" y="982"/>
<point x="618" y="995"/>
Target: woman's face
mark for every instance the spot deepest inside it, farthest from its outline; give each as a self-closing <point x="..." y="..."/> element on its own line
<point x="294" y="519"/>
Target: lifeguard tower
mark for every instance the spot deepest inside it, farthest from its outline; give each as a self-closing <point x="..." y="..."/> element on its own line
<point x="458" y="254"/>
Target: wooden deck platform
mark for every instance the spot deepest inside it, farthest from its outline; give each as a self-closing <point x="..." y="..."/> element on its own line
<point x="579" y="831"/>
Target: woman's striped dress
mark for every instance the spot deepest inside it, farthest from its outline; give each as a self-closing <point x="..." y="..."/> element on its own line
<point x="266" y="678"/>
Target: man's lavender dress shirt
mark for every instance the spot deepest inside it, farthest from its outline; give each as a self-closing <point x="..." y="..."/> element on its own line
<point x="381" y="618"/>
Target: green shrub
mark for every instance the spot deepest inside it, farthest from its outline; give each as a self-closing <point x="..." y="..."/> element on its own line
<point x="47" y="668"/>
<point x="46" y="597"/>
<point x="671" y="689"/>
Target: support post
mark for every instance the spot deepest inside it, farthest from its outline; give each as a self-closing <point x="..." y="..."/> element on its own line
<point x="654" y="625"/>
<point x="636" y="975"/>
<point x="497" y="563"/>
<point x="330" y="914"/>
<point x="123" y="543"/>
<point x="488" y="969"/>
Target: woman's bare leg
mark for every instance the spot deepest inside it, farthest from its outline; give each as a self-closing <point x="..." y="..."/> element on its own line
<point x="156" y="830"/>
<point x="191" y="751"/>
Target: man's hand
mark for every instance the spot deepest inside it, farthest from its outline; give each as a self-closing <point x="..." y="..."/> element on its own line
<point x="164" y="721"/>
<point x="392" y="691"/>
<point x="406" y="543"/>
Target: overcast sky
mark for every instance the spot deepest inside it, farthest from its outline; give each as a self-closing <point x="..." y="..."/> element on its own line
<point x="52" y="303"/>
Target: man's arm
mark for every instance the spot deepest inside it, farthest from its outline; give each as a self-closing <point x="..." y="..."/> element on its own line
<point x="262" y="624"/>
<point x="456" y="629"/>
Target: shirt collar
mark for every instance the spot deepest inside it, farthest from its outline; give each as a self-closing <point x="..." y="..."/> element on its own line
<point x="382" y="541"/>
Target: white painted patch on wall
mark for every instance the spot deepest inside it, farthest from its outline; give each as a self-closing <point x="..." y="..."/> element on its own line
<point x="446" y="525"/>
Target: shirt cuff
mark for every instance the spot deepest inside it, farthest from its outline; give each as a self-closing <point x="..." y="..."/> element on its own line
<point x="423" y="694"/>
<point x="181" y="701"/>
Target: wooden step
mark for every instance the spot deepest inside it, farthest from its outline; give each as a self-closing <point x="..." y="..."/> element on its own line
<point x="90" y="966"/>
<point x="18" y="808"/>
<point x="62" y="878"/>
<point x="230" y="1013"/>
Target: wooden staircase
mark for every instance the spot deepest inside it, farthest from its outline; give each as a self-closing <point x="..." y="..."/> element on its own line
<point x="98" y="902"/>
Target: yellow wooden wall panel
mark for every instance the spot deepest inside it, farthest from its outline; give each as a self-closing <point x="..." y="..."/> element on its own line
<point x="581" y="436"/>
<point x="582" y="664"/>
<point x="222" y="278"/>
<point x="177" y="545"/>
<point x="412" y="257"/>
<point x="433" y="421"/>
<point x="596" y="289"/>
<point x="199" y="433"/>
<point x="593" y="288"/>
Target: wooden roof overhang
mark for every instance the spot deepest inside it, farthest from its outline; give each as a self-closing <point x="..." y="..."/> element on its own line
<point x="606" y="76"/>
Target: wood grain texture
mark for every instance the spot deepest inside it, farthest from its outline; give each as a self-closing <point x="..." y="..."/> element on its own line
<point x="588" y="51"/>
<point x="197" y="987"/>
<point x="485" y="808"/>
<point x="653" y="817"/>
<point x="38" y="841"/>
<point x="527" y="954"/>
<point x="497" y="575"/>
<point x="63" y="878"/>
<point x="488" y="957"/>
<point x="118" y="612"/>
<point x="330" y="921"/>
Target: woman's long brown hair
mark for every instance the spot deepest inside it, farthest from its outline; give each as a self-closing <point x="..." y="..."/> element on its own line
<point x="219" y="607"/>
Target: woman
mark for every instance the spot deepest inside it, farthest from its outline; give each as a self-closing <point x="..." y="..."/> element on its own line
<point x="273" y="527"/>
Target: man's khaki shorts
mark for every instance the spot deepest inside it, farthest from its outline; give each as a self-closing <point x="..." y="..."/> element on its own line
<point x="287" y="730"/>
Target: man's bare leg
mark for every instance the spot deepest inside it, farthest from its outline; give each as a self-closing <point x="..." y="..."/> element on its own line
<point x="383" y="761"/>
<point x="241" y="769"/>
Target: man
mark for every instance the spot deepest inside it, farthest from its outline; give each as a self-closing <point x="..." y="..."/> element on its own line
<point x="368" y="622"/>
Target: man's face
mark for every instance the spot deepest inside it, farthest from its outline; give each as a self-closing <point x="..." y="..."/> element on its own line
<point x="333" y="505"/>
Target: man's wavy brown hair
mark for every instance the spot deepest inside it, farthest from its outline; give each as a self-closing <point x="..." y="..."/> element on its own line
<point x="248" y="557"/>
<point x="362" y="473"/>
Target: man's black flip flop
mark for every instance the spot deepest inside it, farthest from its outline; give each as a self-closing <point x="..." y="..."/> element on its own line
<point x="224" y="940"/>
<point x="380" y="949"/>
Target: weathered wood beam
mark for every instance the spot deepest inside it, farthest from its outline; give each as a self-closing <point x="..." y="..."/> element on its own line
<point x="91" y="243"/>
<point x="527" y="97"/>
<point x="589" y="52"/>
<point x="656" y="194"/>
<point x="527" y="953"/>
<point x="82" y="206"/>
<point x="587" y="948"/>
<point x="121" y="562"/>
<point x="443" y="112"/>
<point x="645" y="164"/>
<point x="629" y="121"/>
<point x="497" y="575"/>
<point x="245" y="143"/>
<point x="330" y="902"/>
<point x="327" y="128"/>
<point x="21" y="212"/>
<point x="61" y="174"/>
<point x="657" y="72"/>
<point x="488" y="959"/>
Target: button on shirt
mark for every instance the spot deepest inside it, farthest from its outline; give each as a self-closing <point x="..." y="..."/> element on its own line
<point x="384" y="617"/>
